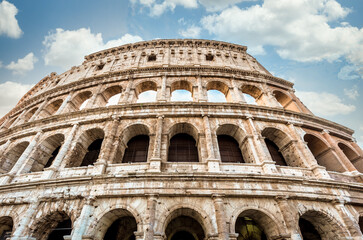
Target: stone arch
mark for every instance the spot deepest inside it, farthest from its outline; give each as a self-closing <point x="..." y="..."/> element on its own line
<point x="181" y="85"/>
<point x="221" y="87"/>
<point x="45" y="226"/>
<point x="51" y="108"/>
<point x="284" y="143"/>
<point x="253" y="91"/>
<point x="9" y="159"/>
<point x="107" y="94"/>
<point x="184" y="127"/>
<point x="352" y="155"/>
<point x="265" y="220"/>
<point x="108" y="218"/>
<point x="45" y="153"/>
<point x="286" y="101"/>
<point x="131" y="131"/>
<point x="10" y="122"/>
<point x="29" y="114"/>
<point x="6" y="227"/>
<point x="80" y="100"/>
<point x="81" y="149"/>
<point x="323" y="154"/>
<point x="240" y="136"/>
<point x="325" y="224"/>
<point x="144" y="87"/>
<point x="185" y="211"/>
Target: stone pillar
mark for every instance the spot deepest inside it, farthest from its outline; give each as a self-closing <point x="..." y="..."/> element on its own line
<point x="223" y="232"/>
<point x="92" y="100"/>
<point x="349" y="220"/>
<point x="132" y="96"/>
<point x="41" y="107"/>
<point x="125" y="97"/>
<point x="109" y="139"/>
<point x="202" y="97"/>
<point x="62" y="152"/>
<point x="155" y="161"/>
<point x="346" y="163"/>
<point x="212" y="161"/>
<point x="64" y="103"/>
<point x="4" y="147"/>
<point x="237" y="93"/>
<point x="19" y="118"/>
<point x="20" y="231"/>
<point x="290" y="220"/>
<point x="82" y="223"/>
<point x="272" y="101"/>
<point x="162" y="92"/>
<point x="150" y="219"/>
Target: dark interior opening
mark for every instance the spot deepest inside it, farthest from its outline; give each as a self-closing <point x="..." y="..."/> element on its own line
<point x="275" y="153"/>
<point x="92" y="153"/>
<point x="52" y="157"/>
<point x="308" y="230"/>
<point x="123" y="228"/>
<point x="248" y="229"/>
<point x="100" y="67"/>
<point x="229" y="149"/>
<point x="137" y="149"/>
<point x="151" y="58"/>
<point x="209" y="57"/>
<point x="183" y="235"/>
<point x="182" y="148"/>
<point x="63" y="228"/>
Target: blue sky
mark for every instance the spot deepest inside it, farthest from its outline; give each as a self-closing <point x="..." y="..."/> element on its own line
<point x="317" y="44"/>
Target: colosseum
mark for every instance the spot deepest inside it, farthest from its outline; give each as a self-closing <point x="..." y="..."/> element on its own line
<point x="82" y="156"/>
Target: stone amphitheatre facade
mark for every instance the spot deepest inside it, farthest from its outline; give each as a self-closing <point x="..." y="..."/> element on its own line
<point x="74" y="166"/>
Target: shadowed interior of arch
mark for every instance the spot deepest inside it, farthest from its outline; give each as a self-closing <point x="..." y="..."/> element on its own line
<point x="53" y="227"/>
<point x="182" y="148"/>
<point x="229" y="149"/>
<point x="184" y="228"/>
<point x="275" y="153"/>
<point x="9" y="159"/>
<point x="122" y="228"/>
<point x="248" y="229"/>
<point x="137" y="149"/>
<point x="352" y="156"/>
<point x="6" y="227"/>
<point x="308" y="230"/>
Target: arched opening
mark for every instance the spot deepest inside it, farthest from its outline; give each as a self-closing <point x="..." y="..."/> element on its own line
<point x="229" y="149"/>
<point x="53" y="227"/>
<point x="285" y="101"/>
<point x="137" y="149"/>
<point x="87" y="149"/>
<point x="323" y="154"/>
<point x="111" y="96"/>
<point x="29" y="114"/>
<point x="251" y="94"/>
<point x="361" y="223"/>
<point x="352" y="156"/>
<point x="182" y="148"/>
<point x="308" y="230"/>
<point x="256" y="225"/>
<point x="6" y="227"/>
<point x="248" y="229"/>
<point x="185" y="224"/>
<point x="9" y="159"/>
<point x="275" y="153"/>
<point x="181" y="91"/>
<point x="218" y="92"/>
<point x="146" y="92"/>
<point x="80" y="100"/>
<point x="51" y="109"/>
<point x="282" y="148"/>
<point x="45" y="153"/>
<point x="10" y="122"/>
<point x="116" y="224"/>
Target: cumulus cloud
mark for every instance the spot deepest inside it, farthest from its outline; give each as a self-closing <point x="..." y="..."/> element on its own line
<point x="299" y="30"/>
<point x="217" y="5"/>
<point x="348" y="72"/>
<point x="157" y="8"/>
<point x="325" y="104"/>
<point x="352" y="93"/>
<point x="10" y="94"/>
<point x="66" y="48"/>
<point x="23" y="65"/>
<point x="8" y="24"/>
<point x="191" y="32"/>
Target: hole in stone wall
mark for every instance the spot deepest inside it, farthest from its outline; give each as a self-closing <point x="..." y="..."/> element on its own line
<point x="123" y="228"/>
<point x="137" y="149"/>
<point x="6" y="227"/>
<point x="308" y="230"/>
<point x="52" y="157"/>
<point x="248" y="229"/>
<point x="209" y="57"/>
<point x="182" y="148"/>
<point x="92" y="153"/>
<point x="100" y="67"/>
<point x="62" y="229"/>
<point x="151" y="58"/>
<point x="229" y="149"/>
<point x="275" y="153"/>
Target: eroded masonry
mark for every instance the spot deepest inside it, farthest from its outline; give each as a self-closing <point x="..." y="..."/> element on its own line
<point x="84" y="155"/>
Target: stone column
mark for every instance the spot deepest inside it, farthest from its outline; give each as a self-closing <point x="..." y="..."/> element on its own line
<point x="272" y="101"/>
<point x="125" y="97"/>
<point x="19" y="232"/>
<point x="83" y="221"/>
<point x="162" y="92"/>
<point x="62" y="152"/>
<point x="349" y="220"/>
<point x="223" y="232"/>
<point x="41" y="107"/>
<point x="237" y="93"/>
<point x="155" y="161"/>
<point x="289" y="218"/>
<point x="150" y="219"/>
<point x="212" y="161"/>
<point x="19" y="118"/>
<point x="93" y="99"/>
<point x="346" y="163"/>
<point x="202" y="97"/>
<point x="4" y="147"/>
<point x="64" y="103"/>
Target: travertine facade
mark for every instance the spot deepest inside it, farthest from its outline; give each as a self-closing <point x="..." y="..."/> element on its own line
<point x="53" y="174"/>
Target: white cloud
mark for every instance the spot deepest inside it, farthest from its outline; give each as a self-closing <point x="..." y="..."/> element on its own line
<point x="299" y="30"/>
<point x="10" y="94"/>
<point x="325" y="104"/>
<point x="352" y="93"/>
<point x="8" y="24"/>
<point x="191" y="32"/>
<point x="66" y="48"/>
<point x="157" y="8"/>
<point x="217" y="5"/>
<point x="23" y="64"/>
<point x="348" y="72"/>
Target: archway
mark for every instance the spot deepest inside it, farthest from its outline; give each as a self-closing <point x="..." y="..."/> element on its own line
<point x="181" y="91"/>
<point x="218" y="92"/>
<point x="9" y="159"/>
<point x="51" y="109"/>
<point x="137" y="149"/>
<point x="182" y="148"/>
<point x="251" y="94"/>
<point x="229" y="149"/>
<point x="352" y="156"/>
<point x="80" y="100"/>
<point x="308" y="230"/>
<point x="111" y="96"/>
<point x="285" y="101"/>
<point x="53" y="227"/>
<point x="6" y="227"/>
<point x="146" y="92"/>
